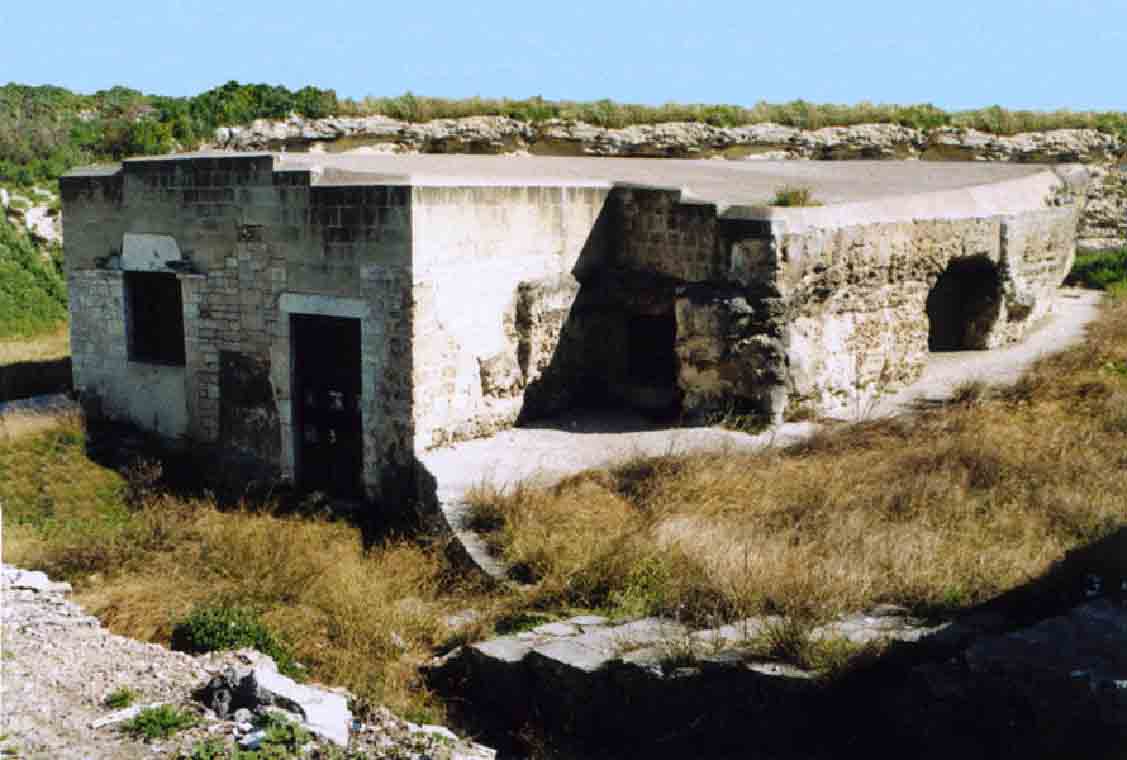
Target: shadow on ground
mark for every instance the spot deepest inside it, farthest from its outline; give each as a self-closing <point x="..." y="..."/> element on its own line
<point x="150" y="465"/>
<point x="1025" y="675"/>
<point x="34" y="378"/>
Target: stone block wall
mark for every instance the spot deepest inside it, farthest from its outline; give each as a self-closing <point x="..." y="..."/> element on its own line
<point x="856" y="297"/>
<point x="246" y="236"/>
<point x="722" y="275"/>
<point x="482" y="305"/>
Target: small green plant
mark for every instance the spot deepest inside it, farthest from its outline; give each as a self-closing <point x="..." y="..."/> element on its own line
<point x="739" y="420"/>
<point x="520" y="621"/>
<point x="645" y="589"/>
<point x="121" y="698"/>
<point x="282" y="735"/>
<point x="207" y="749"/>
<point x="158" y="723"/>
<point x="793" y="195"/>
<point x="219" y="628"/>
<point x="1116" y="368"/>
<point x="485" y="516"/>
<point x="678" y="652"/>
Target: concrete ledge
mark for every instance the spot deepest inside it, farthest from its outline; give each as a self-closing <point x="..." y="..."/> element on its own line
<point x="1005" y="197"/>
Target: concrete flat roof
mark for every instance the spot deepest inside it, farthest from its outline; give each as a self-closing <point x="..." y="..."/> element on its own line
<point x="720" y="181"/>
<point x="851" y="192"/>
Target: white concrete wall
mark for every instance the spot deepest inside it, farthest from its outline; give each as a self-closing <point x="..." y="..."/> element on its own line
<point x="473" y="247"/>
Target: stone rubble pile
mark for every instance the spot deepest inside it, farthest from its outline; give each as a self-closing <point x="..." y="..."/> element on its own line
<point x="60" y="665"/>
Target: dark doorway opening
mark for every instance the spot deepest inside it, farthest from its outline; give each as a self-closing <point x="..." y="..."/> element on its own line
<point x="327" y="431"/>
<point x="964" y="305"/>
<point x="650" y="359"/>
<point x="651" y="363"/>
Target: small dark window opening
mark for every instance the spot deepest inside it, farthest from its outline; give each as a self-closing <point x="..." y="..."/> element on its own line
<point x="651" y="359"/>
<point x="155" y="318"/>
<point x="964" y="305"/>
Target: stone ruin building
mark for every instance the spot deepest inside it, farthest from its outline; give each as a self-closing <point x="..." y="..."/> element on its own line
<point x="323" y="319"/>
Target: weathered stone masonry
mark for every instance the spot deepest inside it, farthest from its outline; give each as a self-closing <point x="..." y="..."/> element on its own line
<point x="247" y="237"/>
<point x="484" y="303"/>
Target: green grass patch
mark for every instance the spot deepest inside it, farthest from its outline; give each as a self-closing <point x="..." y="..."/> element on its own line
<point x="158" y="723"/>
<point x="1103" y="270"/>
<point x="121" y="698"/>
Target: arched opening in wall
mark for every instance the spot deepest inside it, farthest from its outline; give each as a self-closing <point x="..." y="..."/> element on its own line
<point x="964" y="305"/>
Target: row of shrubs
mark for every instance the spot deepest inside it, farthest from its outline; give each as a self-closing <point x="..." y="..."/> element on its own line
<point x="46" y="130"/>
<point x="797" y="113"/>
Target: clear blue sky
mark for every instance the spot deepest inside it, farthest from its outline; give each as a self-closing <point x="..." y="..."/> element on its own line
<point x="1043" y="54"/>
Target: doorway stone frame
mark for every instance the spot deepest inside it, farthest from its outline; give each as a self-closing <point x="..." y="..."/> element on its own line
<point x="282" y="362"/>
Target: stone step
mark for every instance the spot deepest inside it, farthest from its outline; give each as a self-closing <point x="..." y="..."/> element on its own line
<point x="457" y="514"/>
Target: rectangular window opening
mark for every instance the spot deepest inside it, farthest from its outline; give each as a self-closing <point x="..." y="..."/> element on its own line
<point x="155" y="318"/>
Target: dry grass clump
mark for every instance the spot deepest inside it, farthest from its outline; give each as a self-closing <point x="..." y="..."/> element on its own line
<point x="790" y="195"/>
<point x="936" y="512"/>
<point x="143" y="559"/>
<point x="47" y="347"/>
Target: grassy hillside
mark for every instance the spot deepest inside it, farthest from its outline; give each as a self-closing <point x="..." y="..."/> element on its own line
<point x="46" y="130"/>
<point x="33" y="298"/>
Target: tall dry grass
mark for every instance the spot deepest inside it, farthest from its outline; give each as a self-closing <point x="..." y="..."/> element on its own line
<point x="141" y="559"/>
<point x="936" y="512"/>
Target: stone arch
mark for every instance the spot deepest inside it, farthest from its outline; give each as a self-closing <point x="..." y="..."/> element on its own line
<point x="964" y="305"/>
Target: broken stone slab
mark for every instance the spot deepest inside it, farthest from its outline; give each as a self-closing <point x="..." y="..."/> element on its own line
<point x="869" y="628"/>
<point x="556" y="629"/>
<point x="644" y="680"/>
<point x="256" y="683"/>
<point x="735" y="634"/>
<point x="33" y="580"/>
